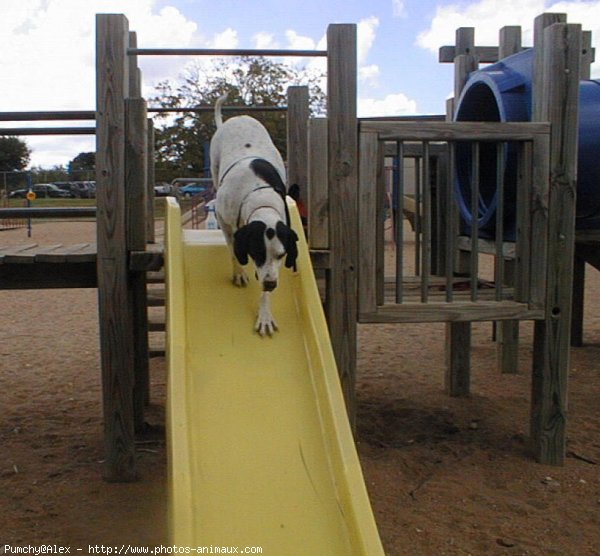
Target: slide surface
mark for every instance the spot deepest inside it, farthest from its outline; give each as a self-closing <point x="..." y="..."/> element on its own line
<point x="260" y="449"/>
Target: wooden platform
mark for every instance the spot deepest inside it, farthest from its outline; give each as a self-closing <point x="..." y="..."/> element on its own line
<point x="32" y="266"/>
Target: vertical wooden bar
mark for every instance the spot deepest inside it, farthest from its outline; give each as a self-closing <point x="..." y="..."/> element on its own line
<point x="474" y="262"/>
<point x="426" y="225"/>
<point x="399" y="224"/>
<point x="417" y="217"/>
<point x="578" y="301"/>
<point x="318" y="185"/>
<point x="458" y="359"/>
<point x="343" y="174"/>
<point x="380" y="224"/>
<point x="135" y="81"/>
<point x="587" y="55"/>
<point x="367" y="217"/>
<point x="136" y="171"/>
<point x="297" y="138"/>
<point x="458" y="345"/>
<point x="560" y="106"/>
<point x="450" y="227"/>
<point x="499" y="269"/>
<point x="114" y="299"/>
<point x="509" y="41"/>
<point x="150" y="233"/>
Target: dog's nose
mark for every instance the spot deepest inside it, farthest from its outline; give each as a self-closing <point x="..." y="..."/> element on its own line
<point x="269" y="285"/>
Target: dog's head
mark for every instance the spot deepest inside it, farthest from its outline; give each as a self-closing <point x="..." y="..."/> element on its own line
<point x="267" y="247"/>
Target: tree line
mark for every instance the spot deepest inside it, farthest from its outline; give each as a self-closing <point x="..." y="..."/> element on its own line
<point x="182" y="137"/>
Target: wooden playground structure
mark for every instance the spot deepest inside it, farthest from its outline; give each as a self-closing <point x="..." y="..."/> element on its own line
<point x="338" y="162"/>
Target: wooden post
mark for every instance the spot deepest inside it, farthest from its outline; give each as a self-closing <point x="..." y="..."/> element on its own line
<point x="297" y="139"/>
<point x="150" y="233"/>
<point x="458" y="335"/>
<point x="343" y="226"/>
<point x="557" y="101"/>
<point x="318" y="185"/>
<point x="114" y="299"/>
<point x="507" y="332"/>
<point x="136" y="167"/>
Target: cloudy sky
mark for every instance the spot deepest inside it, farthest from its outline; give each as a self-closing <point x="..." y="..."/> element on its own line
<point x="48" y="46"/>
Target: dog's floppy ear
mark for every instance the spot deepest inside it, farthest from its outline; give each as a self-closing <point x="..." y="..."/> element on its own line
<point x="248" y="240"/>
<point x="288" y="237"/>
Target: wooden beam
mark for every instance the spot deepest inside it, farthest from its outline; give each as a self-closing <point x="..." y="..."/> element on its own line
<point x="114" y="301"/>
<point x="559" y="105"/>
<point x="343" y="228"/>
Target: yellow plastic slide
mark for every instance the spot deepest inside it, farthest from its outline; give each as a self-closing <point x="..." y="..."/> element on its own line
<point x="260" y="450"/>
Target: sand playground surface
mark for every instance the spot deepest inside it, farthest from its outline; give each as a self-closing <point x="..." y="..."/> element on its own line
<point x="444" y="475"/>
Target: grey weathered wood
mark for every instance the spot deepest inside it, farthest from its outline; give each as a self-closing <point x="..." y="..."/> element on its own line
<point x="318" y="190"/>
<point x="454" y="312"/>
<point x="297" y="138"/>
<point x="114" y="301"/>
<point x="399" y="224"/>
<point x="458" y="359"/>
<point x="136" y="172"/>
<point x="587" y="55"/>
<point x="484" y="54"/>
<point x="456" y="131"/>
<point x="560" y="106"/>
<point x="578" y="301"/>
<point x="343" y="173"/>
<point x="367" y="222"/>
<point x="135" y="82"/>
<point x="509" y="41"/>
<point x="150" y="232"/>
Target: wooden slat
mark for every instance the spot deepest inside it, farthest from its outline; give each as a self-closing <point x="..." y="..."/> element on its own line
<point x="399" y="223"/>
<point x="463" y="311"/>
<point x="474" y="261"/>
<point x="79" y="253"/>
<point x="114" y="303"/>
<point x="456" y="131"/>
<point x="367" y="222"/>
<point x="485" y="54"/>
<point x="343" y="227"/>
<point x="426" y="224"/>
<point x="318" y="196"/>
<point x="25" y="250"/>
<point x="297" y="138"/>
<point x="560" y="106"/>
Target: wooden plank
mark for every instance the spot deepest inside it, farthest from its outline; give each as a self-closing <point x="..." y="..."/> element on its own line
<point x="25" y="249"/>
<point x="297" y="138"/>
<point x="458" y="359"/>
<point x="367" y="222"/>
<point x="343" y="174"/>
<point x="560" y="106"/>
<point x="509" y="41"/>
<point x="426" y="224"/>
<point x="28" y="256"/>
<point x="401" y="201"/>
<point x="136" y="168"/>
<point x="456" y="131"/>
<point x="151" y="178"/>
<point x="114" y="302"/>
<point x="483" y="54"/>
<point x="457" y="311"/>
<point x="47" y="276"/>
<point x="78" y="253"/>
<point x="318" y="194"/>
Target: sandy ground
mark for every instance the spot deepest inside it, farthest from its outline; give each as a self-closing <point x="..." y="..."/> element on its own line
<point x="445" y="476"/>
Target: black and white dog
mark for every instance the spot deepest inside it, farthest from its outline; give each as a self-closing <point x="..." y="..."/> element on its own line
<point x="249" y="176"/>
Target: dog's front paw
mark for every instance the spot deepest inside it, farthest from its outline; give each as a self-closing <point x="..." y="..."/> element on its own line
<point x="265" y="324"/>
<point x="240" y="279"/>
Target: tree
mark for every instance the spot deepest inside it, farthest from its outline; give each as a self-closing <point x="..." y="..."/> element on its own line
<point x="181" y="143"/>
<point x="14" y="154"/>
<point x="83" y="166"/>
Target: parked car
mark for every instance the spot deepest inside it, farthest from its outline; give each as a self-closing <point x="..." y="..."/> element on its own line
<point x="41" y="190"/>
<point x="190" y="187"/>
<point x="78" y="189"/>
<point x="166" y="190"/>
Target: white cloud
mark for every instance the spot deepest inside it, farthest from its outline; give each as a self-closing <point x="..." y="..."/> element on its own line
<point x="369" y="74"/>
<point x="225" y="39"/>
<point x="48" y="57"/>
<point x="399" y="8"/>
<point x="489" y="16"/>
<point x="264" y="40"/>
<point x="366" y="32"/>
<point x="397" y="104"/>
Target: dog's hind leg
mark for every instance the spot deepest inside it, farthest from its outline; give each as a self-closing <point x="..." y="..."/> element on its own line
<point x="265" y="323"/>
